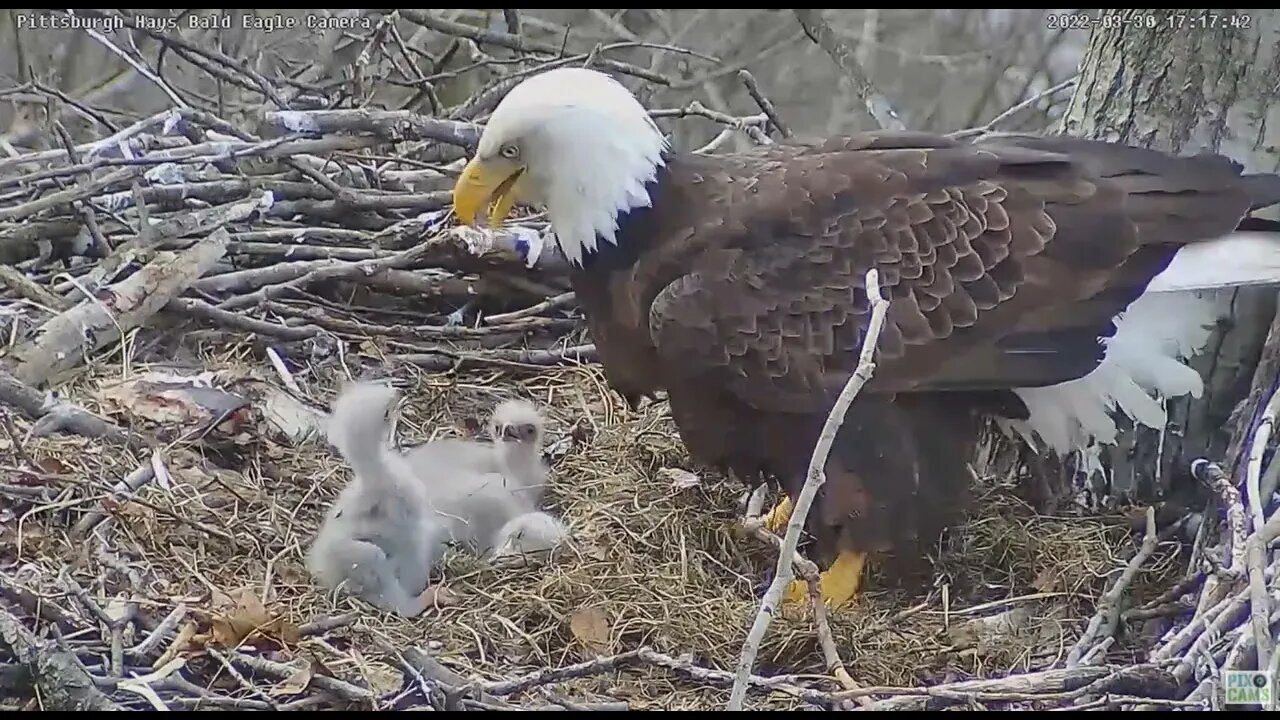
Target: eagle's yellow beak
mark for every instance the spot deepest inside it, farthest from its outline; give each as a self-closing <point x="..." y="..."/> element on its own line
<point x="496" y="180"/>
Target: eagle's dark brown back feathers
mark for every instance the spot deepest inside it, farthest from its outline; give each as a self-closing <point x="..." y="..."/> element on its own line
<point x="977" y="244"/>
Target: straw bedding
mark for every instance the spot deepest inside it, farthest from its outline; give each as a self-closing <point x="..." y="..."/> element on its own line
<point x="651" y="564"/>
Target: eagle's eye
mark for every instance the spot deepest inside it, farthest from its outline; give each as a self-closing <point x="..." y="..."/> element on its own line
<point x="510" y="152"/>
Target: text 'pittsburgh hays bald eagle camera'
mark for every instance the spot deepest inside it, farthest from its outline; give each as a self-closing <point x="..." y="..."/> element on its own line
<point x="734" y="282"/>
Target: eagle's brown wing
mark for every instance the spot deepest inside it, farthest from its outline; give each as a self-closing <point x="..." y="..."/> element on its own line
<point x="1005" y="260"/>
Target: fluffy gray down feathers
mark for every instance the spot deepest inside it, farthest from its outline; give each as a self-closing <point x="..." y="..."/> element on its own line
<point x="378" y="540"/>
<point x="493" y="489"/>
<point x="392" y="523"/>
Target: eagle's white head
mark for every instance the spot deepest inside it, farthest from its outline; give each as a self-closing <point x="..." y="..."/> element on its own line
<point x="572" y="140"/>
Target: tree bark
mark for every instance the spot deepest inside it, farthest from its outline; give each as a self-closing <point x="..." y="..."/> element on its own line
<point x="1198" y="80"/>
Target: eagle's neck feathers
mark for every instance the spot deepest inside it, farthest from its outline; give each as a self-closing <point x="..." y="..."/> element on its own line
<point x="629" y="231"/>
<point x="600" y="178"/>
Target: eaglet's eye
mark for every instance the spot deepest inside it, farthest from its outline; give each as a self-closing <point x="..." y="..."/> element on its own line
<point x="510" y="152"/>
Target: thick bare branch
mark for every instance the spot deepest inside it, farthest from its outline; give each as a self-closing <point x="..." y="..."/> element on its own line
<point x="96" y="322"/>
<point x="63" y="683"/>
<point x="820" y="32"/>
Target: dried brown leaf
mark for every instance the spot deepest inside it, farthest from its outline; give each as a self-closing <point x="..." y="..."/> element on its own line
<point x="1046" y="581"/>
<point x="243" y="618"/>
<point x="295" y="683"/>
<point x="383" y="679"/>
<point x="50" y="466"/>
<point x="129" y="510"/>
<point x="590" y="626"/>
<point x="441" y="596"/>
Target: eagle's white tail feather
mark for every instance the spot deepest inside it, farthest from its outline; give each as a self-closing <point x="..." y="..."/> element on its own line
<point x="1145" y="361"/>
<point x="1143" y="366"/>
<point x="1235" y="260"/>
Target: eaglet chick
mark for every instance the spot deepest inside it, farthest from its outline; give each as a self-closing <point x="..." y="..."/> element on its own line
<point x="517" y="429"/>
<point x="381" y="538"/>
<point x="528" y="533"/>
<point x="498" y="486"/>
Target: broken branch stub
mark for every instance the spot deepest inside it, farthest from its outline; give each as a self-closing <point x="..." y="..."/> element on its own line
<point x="63" y="341"/>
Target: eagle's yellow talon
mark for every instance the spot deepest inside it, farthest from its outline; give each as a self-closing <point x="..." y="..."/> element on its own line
<point x="797" y="594"/>
<point x="776" y="520"/>
<point x="837" y="586"/>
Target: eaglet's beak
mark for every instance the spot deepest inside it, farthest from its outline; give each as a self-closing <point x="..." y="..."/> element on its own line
<point x="495" y="180"/>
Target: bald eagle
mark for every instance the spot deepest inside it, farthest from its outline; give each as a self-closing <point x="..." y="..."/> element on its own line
<point x="734" y="282"/>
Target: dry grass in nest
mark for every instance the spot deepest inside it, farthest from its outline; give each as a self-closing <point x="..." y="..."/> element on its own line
<point x="649" y="564"/>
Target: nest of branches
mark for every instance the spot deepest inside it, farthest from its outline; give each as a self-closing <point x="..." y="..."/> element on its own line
<point x="647" y="605"/>
<point x="183" y="296"/>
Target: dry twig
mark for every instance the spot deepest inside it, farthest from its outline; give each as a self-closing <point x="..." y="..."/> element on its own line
<point x="1259" y="597"/>
<point x="63" y="683"/>
<point x="1107" y="619"/>
<point x="814" y="480"/>
<point x="878" y="106"/>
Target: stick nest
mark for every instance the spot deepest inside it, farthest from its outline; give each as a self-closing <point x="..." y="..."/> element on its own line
<point x="650" y="565"/>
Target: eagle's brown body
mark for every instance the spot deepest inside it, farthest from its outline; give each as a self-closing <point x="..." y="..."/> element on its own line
<point x="740" y="293"/>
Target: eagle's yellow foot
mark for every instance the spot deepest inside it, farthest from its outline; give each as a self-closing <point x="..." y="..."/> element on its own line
<point x="836" y="586"/>
<point x="776" y="519"/>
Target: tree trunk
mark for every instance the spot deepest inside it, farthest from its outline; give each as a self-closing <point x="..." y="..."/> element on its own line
<point x="1198" y="80"/>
